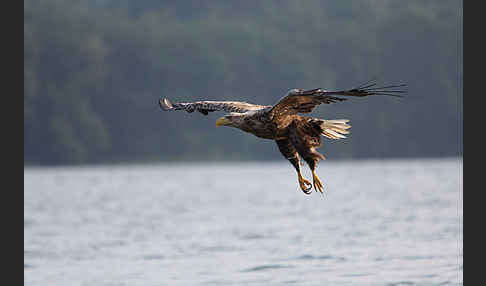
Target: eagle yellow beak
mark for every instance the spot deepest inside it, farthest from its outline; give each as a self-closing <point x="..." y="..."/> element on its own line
<point x="222" y="121"/>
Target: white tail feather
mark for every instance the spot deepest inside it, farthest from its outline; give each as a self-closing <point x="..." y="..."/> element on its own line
<point x="335" y="129"/>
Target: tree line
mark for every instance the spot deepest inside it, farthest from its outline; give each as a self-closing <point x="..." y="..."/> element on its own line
<point x="94" y="71"/>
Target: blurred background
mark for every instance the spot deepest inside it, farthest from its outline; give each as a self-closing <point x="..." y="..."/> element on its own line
<point x="94" y="71"/>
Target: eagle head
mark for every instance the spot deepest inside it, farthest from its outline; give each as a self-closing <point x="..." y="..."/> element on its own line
<point x="232" y="120"/>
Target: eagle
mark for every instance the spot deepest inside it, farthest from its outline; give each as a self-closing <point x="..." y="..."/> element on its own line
<point x="296" y="136"/>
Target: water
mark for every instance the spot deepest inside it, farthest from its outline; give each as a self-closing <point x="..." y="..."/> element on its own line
<point x="393" y="222"/>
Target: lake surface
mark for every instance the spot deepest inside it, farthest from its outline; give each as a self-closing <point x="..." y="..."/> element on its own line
<point x="391" y="222"/>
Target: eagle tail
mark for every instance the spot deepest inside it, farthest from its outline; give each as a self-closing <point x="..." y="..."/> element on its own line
<point x="335" y="129"/>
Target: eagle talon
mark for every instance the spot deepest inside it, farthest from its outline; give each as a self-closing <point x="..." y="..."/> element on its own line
<point x="305" y="185"/>
<point x="308" y="190"/>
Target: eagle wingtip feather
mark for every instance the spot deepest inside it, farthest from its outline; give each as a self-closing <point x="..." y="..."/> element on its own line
<point x="165" y="104"/>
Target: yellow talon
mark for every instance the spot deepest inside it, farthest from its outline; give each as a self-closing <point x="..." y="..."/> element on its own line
<point x="305" y="185"/>
<point x="317" y="182"/>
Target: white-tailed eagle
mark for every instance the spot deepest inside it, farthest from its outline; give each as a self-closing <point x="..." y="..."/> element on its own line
<point x="296" y="136"/>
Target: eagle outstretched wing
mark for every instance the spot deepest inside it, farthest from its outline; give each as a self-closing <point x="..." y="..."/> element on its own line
<point x="304" y="101"/>
<point x="209" y="106"/>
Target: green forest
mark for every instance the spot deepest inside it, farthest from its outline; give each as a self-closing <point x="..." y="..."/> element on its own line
<point x="95" y="70"/>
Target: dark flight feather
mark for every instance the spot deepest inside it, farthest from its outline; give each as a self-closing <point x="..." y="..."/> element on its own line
<point x="304" y="101"/>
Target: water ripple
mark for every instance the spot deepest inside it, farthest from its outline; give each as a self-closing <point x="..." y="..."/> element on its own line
<point x="400" y="283"/>
<point x="153" y="257"/>
<point x="267" y="267"/>
<point x="321" y="257"/>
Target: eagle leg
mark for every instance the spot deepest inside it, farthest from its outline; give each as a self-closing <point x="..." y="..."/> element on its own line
<point x="289" y="152"/>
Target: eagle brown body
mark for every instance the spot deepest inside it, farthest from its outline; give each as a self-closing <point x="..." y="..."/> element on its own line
<point x="296" y="136"/>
